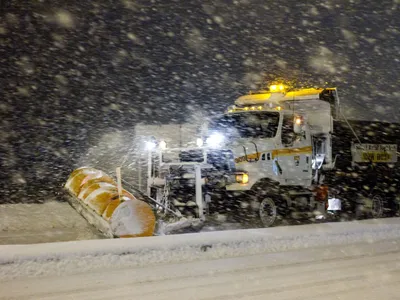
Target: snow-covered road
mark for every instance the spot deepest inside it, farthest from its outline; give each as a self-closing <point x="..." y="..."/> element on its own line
<point x="363" y="271"/>
<point x="42" y="223"/>
<point x="359" y="260"/>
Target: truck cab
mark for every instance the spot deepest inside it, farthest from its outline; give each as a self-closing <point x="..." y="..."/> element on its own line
<point x="281" y="143"/>
<point x="276" y="134"/>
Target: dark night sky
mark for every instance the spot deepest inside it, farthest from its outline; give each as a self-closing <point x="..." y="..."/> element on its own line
<point x="71" y="72"/>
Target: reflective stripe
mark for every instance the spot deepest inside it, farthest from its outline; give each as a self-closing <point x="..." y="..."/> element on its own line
<point x="275" y="153"/>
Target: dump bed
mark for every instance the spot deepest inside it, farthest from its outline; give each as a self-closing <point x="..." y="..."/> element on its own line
<point x="371" y="168"/>
<point x="379" y="143"/>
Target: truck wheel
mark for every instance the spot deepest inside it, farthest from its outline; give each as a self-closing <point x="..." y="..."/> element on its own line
<point x="377" y="206"/>
<point x="272" y="210"/>
<point x="268" y="212"/>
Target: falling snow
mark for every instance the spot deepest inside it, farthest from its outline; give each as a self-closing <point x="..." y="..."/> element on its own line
<point x="77" y="77"/>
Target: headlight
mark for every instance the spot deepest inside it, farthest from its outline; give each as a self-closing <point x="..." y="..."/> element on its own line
<point x="199" y="142"/>
<point x="150" y="145"/>
<point x="215" y="139"/>
<point x="242" y="178"/>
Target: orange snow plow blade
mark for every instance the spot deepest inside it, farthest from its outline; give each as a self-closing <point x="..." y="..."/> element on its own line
<point x="95" y="196"/>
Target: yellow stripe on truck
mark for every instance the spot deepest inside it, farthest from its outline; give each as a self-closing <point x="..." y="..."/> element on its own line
<point x="275" y="153"/>
<point x="292" y="151"/>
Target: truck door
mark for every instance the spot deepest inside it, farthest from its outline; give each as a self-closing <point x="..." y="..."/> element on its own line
<point x="294" y="157"/>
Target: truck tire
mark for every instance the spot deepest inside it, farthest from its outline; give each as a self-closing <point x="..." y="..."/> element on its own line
<point x="371" y="206"/>
<point x="377" y="205"/>
<point x="261" y="210"/>
<point x="268" y="211"/>
<point x="271" y="210"/>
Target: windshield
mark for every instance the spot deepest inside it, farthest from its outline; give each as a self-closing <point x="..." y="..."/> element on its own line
<point x="247" y="125"/>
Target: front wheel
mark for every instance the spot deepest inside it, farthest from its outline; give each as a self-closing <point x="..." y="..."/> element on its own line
<point x="268" y="212"/>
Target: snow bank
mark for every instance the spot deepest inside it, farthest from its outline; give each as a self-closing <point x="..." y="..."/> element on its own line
<point x="82" y="256"/>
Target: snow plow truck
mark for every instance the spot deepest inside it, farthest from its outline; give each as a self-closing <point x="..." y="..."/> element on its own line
<point x="276" y="154"/>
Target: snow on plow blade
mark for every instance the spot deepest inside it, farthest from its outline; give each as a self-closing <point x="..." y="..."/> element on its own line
<point x="95" y="196"/>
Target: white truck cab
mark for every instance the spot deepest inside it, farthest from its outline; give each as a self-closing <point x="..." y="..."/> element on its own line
<point x="278" y="134"/>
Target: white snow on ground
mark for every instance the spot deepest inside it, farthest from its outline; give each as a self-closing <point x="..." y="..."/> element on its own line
<point x="357" y="260"/>
<point x="84" y="256"/>
<point x="42" y="223"/>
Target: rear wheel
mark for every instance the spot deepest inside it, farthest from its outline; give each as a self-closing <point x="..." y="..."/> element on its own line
<point x="372" y="206"/>
<point x="377" y="206"/>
